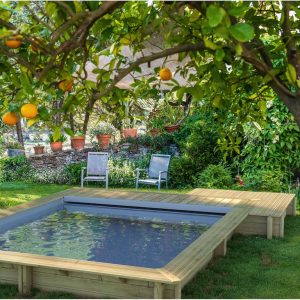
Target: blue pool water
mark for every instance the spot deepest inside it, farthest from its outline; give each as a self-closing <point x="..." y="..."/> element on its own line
<point x="87" y="236"/>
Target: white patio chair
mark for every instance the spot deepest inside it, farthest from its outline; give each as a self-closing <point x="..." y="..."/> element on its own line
<point x="157" y="172"/>
<point x="97" y="168"/>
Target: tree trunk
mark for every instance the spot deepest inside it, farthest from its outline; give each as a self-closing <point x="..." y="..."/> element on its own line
<point x="88" y="110"/>
<point x="291" y="101"/>
<point x="71" y="118"/>
<point x="293" y="105"/>
<point x="20" y="133"/>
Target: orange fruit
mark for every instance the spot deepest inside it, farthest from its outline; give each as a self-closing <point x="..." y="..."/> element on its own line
<point x="14" y="41"/>
<point x="10" y="118"/>
<point x="29" y="111"/>
<point x="66" y="85"/>
<point x="165" y="74"/>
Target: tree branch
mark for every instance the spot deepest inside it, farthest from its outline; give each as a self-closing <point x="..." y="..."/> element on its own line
<point x="170" y="51"/>
<point x="289" y="39"/>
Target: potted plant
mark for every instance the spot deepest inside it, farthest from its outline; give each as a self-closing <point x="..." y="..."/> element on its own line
<point x="15" y="149"/>
<point x="38" y="149"/>
<point x="78" y="141"/>
<point x="56" y="144"/>
<point x="128" y="129"/>
<point x="155" y="123"/>
<point x="172" y="116"/>
<point x="130" y="132"/>
<point x="103" y="131"/>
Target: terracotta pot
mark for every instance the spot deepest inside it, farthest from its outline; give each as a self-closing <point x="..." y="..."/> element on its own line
<point x="77" y="142"/>
<point x="56" y="146"/>
<point x="154" y="132"/>
<point x="38" y="150"/>
<point x="130" y="132"/>
<point x="103" y="141"/>
<point x="172" y="128"/>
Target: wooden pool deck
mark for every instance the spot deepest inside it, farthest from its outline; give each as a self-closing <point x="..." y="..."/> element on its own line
<point x="252" y="213"/>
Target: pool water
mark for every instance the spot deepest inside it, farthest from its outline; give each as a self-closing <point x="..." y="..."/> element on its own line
<point x="93" y="237"/>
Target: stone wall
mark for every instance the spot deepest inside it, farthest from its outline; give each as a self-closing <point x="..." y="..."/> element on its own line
<point x="54" y="160"/>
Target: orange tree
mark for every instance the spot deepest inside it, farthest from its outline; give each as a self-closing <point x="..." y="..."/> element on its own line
<point x="239" y="52"/>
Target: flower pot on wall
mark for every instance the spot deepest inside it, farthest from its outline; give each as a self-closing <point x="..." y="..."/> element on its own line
<point x="130" y="132"/>
<point x="56" y="146"/>
<point x="38" y="150"/>
<point x="103" y="140"/>
<point x="154" y="132"/>
<point x="15" y="152"/>
<point x="172" y="128"/>
<point x="77" y="142"/>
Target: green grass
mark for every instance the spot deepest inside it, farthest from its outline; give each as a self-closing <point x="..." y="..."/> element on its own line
<point x="253" y="267"/>
<point x="14" y="193"/>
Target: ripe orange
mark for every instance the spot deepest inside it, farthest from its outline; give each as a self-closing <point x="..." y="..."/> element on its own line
<point x="66" y="85"/>
<point x="10" y="118"/>
<point x="14" y="41"/>
<point x="165" y="74"/>
<point x="29" y="111"/>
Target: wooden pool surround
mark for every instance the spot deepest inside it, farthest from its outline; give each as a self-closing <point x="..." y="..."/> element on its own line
<point x="253" y="213"/>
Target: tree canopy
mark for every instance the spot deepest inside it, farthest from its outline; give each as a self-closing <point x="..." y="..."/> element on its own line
<point x="241" y="54"/>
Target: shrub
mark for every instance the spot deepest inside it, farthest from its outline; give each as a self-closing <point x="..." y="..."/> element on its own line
<point x="215" y="176"/>
<point x="182" y="172"/>
<point x="122" y="170"/>
<point x="73" y="172"/>
<point x="198" y="143"/>
<point x="265" y="180"/>
<point x="45" y="175"/>
<point x="15" y="169"/>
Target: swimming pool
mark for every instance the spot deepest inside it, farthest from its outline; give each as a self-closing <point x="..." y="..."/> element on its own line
<point x="97" y="231"/>
<point x="102" y="247"/>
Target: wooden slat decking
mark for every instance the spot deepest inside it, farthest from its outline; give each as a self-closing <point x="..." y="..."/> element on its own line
<point x="263" y="203"/>
<point x="252" y="213"/>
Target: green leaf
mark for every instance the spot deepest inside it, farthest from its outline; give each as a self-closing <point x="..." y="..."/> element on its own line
<point x="31" y="122"/>
<point x="69" y="131"/>
<point x="238" y="49"/>
<point x="291" y="73"/>
<point x="215" y="14"/>
<point x="44" y="114"/>
<point x="209" y="44"/>
<point x="238" y="11"/>
<point x="56" y="134"/>
<point x="242" y="32"/>
<point x="217" y="101"/>
<point x="180" y="92"/>
<point x="219" y="54"/>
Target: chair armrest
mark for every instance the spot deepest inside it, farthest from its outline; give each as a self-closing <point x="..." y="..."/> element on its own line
<point x="162" y="172"/>
<point x="82" y="171"/>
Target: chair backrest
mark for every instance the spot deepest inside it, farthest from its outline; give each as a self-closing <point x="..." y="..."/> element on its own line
<point x="97" y="163"/>
<point x="159" y="162"/>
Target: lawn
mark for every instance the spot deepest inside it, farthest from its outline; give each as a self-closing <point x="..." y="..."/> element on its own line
<point x="253" y="267"/>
